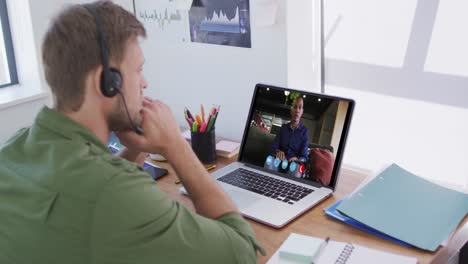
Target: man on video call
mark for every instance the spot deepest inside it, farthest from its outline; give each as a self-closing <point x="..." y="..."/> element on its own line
<point x="293" y="138"/>
<point x="67" y="199"/>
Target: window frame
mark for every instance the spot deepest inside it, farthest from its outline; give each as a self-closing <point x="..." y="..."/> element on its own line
<point x="8" y="41"/>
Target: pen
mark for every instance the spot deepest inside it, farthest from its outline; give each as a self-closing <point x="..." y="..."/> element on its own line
<point x="188" y="113"/>
<point x="197" y="117"/>
<point x="212" y="111"/>
<point x="203" y="127"/>
<point x="214" y="119"/>
<point x="187" y="119"/>
<point x="320" y="250"/>
<point x="202" y="112"/>
<point x="195" y="126"/>
<point x="210" y="124"/>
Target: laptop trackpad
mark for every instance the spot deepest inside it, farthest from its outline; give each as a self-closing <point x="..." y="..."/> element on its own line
<point x="242" y="199"/>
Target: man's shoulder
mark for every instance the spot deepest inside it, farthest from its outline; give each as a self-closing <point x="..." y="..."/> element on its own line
<point x="88" y="160"/>
<point x="63" y="164"/>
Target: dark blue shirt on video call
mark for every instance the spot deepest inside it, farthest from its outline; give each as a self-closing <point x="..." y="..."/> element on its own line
<point x="293" y="143"/>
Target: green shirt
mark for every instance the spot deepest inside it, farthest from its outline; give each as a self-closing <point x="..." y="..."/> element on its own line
<point x="66" y="199"/>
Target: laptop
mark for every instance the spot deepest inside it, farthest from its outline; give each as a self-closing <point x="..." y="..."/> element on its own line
<point x="275" y="191"/>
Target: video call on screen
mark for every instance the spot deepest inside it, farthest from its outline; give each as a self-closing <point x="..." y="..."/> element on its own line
<point x="309" y="146"/>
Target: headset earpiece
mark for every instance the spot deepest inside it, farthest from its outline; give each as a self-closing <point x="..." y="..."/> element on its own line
<point x="116" y="79"/>
<point x="111" y="84"/>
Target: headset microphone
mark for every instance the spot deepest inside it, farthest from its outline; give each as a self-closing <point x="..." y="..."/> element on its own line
<point x="111" y="78"/>
<point x="136" y="128"/>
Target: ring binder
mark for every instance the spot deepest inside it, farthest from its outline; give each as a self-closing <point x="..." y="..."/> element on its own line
<point x="345" y="253"/>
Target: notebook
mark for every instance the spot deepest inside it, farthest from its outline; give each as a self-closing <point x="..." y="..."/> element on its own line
<point x="347" y="253"/>
<point x="340" y="253"/>
<point x="407" y="207"/>
<point x="227" y="149"/>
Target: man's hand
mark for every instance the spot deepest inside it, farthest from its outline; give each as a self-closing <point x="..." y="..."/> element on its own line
<point x="160" y="128"/>
<point x="293" y="159"/>
<point x="280" y="154"/>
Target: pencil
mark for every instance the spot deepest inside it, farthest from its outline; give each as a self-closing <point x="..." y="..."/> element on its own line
<point x="211" y="167"/>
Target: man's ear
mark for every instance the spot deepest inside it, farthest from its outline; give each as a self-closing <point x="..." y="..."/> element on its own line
<point x="95" y="80"/>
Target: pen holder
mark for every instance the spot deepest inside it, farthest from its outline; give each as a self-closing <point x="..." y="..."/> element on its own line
<point x="204" y="146"/>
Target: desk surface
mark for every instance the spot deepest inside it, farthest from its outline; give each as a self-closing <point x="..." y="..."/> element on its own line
<point x="315" y="223"/>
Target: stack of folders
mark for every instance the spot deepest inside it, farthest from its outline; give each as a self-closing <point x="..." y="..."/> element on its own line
<point x="404" y="208"/>
<point x="301" y="249"/>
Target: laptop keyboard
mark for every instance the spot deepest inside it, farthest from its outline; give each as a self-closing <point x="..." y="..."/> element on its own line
<point x="267" y="186"/>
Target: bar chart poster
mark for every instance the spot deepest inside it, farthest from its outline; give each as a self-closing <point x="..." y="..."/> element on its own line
<point x="221" y="22"/>
<point x="166" y="20"/>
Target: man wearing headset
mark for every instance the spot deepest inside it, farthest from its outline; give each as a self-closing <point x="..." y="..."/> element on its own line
<point x="67" y="199"/>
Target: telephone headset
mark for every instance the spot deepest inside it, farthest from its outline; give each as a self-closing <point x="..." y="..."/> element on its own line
<point x="111" y="78"/>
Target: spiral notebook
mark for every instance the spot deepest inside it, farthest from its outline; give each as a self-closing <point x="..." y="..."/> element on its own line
<point x="345" y="253"/>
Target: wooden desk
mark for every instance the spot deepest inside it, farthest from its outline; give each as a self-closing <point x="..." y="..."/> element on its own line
<point x="315" y="223"/>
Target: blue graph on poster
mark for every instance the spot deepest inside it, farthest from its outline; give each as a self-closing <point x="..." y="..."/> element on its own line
<point x="222" y="22"/>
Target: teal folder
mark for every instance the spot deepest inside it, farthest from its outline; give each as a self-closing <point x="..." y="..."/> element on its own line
<point x="407" y="207"/>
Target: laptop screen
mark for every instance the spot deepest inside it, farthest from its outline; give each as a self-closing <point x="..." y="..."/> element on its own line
<point x="296" y="134"/>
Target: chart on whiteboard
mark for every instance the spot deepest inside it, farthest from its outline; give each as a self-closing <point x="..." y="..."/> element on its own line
<point x="166" y="20"/>
<point x="221" y="22"/>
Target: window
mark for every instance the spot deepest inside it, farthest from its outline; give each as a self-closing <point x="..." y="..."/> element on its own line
<point x="8" y="75"/>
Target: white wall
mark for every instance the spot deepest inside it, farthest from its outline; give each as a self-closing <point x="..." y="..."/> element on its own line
<point x="404" y="63"/>
<point x="304" y="44"/>
<point x="14" y="118"/>
<point x="30" y="95"/>
<point x="189" y="74"/>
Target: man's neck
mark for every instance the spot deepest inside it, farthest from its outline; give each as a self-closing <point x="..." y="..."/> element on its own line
<point x="95" y="122"/>
<point x="294" y="124"/>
